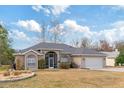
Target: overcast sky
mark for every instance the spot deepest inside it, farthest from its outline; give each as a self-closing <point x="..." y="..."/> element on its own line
<point x="94" y="22"/>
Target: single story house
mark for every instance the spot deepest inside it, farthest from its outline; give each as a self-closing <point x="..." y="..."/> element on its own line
<point x="54" y="53"/>
<point x="111" y="56"/>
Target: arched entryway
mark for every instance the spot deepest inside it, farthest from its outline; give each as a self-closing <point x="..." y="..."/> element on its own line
<point x="51" y="60"/>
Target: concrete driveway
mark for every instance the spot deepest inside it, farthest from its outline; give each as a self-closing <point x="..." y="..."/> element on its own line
<point x="112" y="69"/>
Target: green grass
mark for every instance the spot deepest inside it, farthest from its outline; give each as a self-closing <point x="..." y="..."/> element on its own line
<point x="72" y="78"/>
<point x="4" y="67"/>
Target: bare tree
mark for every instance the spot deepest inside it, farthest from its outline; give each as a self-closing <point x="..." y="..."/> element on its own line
<point x="57" y="31"/>
<point x="43" y="35"/>
<point x="75" y="43"/>
<point x="43" y="32"/>
<point x="119" y="45"/>
<point x="85" y="43"/>
<point x="105" y="46"/>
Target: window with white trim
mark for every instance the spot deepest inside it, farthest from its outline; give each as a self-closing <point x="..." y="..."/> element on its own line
<point x="31" y="61"/>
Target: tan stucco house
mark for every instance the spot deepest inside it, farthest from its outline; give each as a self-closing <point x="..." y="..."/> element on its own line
<point x="54" y="53"/>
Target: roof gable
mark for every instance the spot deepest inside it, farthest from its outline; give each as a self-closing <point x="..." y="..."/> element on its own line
<point x="28" y="52"/>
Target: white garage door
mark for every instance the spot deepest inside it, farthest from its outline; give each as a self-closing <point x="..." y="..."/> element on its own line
<point x="94" y="62"/>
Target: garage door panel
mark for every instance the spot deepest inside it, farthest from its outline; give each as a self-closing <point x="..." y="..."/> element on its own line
<point x="94" y="62"/>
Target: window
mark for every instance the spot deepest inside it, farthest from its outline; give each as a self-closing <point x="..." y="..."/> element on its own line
<point x="31" y="62"/>
<point x="51" y="55"/>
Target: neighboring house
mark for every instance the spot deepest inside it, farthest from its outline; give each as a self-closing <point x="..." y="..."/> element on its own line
<point x="111" y="56"/>
<point x="54" y="53"/>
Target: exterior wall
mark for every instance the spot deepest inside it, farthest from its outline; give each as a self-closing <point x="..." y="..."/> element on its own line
<point x="110" y="61"/>
<point x="40" y="57"/>
<point x="78" y="60"/>
<point x="21" y="58"/>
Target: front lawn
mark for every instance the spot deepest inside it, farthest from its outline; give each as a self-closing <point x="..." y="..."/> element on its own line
<point x="70" y="78"/>
<point x="4" y="67"/>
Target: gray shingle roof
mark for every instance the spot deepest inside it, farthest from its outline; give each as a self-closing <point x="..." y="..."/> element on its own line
<point x="112" y="54"/>
<point x="64" y="48"/>
<point x="45" y="45"/>
<point x="87" y="51"/>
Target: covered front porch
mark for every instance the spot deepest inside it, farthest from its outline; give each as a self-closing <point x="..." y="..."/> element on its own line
<point x="51" y="60"/>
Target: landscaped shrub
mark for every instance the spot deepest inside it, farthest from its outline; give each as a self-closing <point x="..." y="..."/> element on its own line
<point x="19" y="65"/>
<point x="74" y="65"/>
<point x="120" y="60"/>
<point x="16" y="73"/>
<point x="41" y="64"/>
<point x="7" y="73"/>
<point x="116" y="63"/>
<point x="64" y="65"/>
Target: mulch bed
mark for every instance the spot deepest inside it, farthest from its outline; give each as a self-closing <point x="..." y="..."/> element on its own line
<point x="16" y="77"/>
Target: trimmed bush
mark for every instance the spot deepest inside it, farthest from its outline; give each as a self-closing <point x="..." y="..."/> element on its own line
<point x="64" y="65"/>
<point x="16" y="73"/>
<point x="41" y="64"/>
<point x="120" y="60"/>
<point x="7" y="73"/>
<point x="74" y="65"/>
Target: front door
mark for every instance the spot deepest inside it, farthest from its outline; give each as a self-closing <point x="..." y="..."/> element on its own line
<point x="51" y="62"/>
